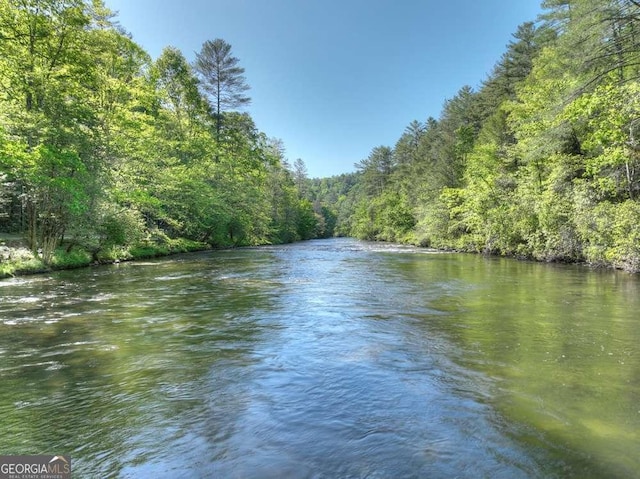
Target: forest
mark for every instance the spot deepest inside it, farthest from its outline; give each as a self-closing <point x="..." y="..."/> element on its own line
<point x="107" y="154"/>
<point x="542" y="161"/>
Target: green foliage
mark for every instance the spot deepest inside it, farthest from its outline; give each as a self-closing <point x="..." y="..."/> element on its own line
<point x="376" y="170"/>
<point x="75" y="258"/>
<point x="17" y="260"/>
<point x="148" y="250"/>
<point x="542" y="162"/>
<point x="610" y="232"/>
<point x="115" y="156"/>
<point x="222" y="79"/>
<point x="307" y="220"/>
<point x="27" y="266"/>
<point x="384" y="218"/>
<point x="334" y="199"/>
<point x="327" y="221"/>
<point x="109" y="152"/>
<point x="119" y="226"/>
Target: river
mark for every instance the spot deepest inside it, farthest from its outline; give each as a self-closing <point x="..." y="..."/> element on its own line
<point x="325" y="359"/>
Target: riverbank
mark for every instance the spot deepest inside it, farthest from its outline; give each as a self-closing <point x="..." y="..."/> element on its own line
<point x="17" y="260"/>
<point x="630" y="263"/>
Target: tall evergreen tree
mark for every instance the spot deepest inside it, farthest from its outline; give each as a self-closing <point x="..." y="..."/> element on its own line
<point x="376" y="169"/>
<point x="300" y="176"/>
<point x="221" y="78"/>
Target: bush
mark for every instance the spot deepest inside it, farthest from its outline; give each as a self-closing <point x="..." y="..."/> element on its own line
<point x="120" y="226"/>
<point x="611" y="233"/>
<point x="75" y="258"/>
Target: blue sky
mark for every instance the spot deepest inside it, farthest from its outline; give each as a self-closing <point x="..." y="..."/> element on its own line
<point x="335" y="78"/>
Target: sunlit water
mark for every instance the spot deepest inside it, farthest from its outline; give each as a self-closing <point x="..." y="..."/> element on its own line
<point x="324" y="359"/>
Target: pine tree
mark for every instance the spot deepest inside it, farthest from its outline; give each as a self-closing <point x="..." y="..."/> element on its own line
<point x="221" y="78"/>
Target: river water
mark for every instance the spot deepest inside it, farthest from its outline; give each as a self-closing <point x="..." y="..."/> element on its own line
<point x="324" y="359"/>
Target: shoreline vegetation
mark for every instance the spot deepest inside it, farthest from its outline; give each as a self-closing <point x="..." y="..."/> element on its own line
<point x="107" y="154"/>
<point x="17" y="260"/>
<point x="541" y="161"/>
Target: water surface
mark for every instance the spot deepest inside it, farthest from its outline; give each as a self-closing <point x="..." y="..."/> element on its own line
<point x="324" y="359"/>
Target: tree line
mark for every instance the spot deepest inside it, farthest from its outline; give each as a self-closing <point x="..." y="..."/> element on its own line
<point x="541" y="161"/>
<point x="104" y="150"/>
<point x="107" y="153"/>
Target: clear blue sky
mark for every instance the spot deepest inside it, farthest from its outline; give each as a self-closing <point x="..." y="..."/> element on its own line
<point x="335" y="78"/>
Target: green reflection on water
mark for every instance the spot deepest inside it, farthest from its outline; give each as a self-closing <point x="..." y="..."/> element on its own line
<point x="87" y="364"/>
<point x="103" y="366"/>
<point x="561" y="343"/>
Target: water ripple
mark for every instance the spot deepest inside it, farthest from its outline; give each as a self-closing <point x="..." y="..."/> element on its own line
<point x="323" y="359"/>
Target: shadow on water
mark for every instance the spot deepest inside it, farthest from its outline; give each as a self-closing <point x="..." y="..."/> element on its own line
<point x="331" y="358"/>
